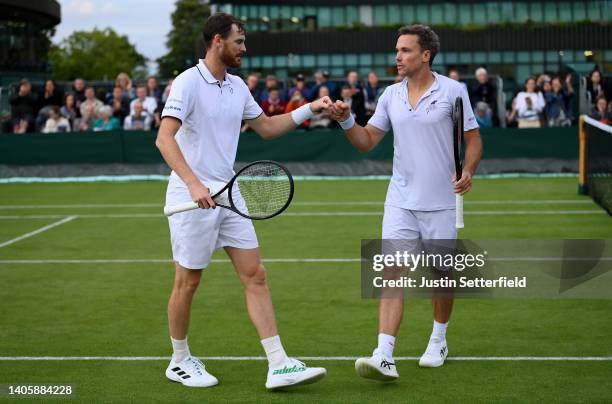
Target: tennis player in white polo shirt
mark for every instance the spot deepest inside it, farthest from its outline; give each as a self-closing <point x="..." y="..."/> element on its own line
<point x="198" y="138"/>
<point x="420" y="200"/>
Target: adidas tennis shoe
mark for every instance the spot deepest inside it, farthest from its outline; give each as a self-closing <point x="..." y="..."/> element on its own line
<point x="435" y="354"/>
<point x="293" y="373"/>
<point x="190" y="372"/>
<point x="378" y="367"/>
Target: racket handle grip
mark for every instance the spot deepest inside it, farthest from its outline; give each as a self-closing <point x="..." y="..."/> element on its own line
<point x="459" y="211"/>
<point x="181" y="207"/>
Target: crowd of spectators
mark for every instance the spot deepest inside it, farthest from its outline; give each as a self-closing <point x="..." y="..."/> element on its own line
<point x="81" y="109"/>
<point x="543" y="101"/>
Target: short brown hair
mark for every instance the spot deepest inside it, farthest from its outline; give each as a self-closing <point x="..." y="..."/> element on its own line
<point x="220" y="23"/>
<point x="427" y="38"/>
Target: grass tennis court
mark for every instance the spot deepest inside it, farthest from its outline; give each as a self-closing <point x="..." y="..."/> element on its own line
<point x="97" y="284"/>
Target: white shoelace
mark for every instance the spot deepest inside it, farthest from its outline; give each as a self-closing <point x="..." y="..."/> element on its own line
<point x="195" y="365"/>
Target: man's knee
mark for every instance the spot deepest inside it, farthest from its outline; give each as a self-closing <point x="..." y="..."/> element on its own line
<point x="187" y="280"/>
<point x="254" y="276"/>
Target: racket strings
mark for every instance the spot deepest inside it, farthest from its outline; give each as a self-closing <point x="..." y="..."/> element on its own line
<point x="265" y="189"/>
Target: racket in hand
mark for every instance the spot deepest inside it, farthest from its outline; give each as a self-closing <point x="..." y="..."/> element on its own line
<point x="457" y="150"/>
<point x="260" y="190"/>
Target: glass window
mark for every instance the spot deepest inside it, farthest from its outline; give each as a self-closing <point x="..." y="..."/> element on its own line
<point x="363" y="72"/>
<point x="450" y="57"/>
<point x="523" y="57"/>
<point x="323" y="61"/>
<point x="551" y="12"/>
<point x="246" y="63"/>
<point x="285" y="12"/>
<point x="280" y="61"/>
<point x="324" y="17"/>
<point x="494" y="57"/>
<point x="465" y="57"/>
<point x="607" y="55"/>
<point x="522" y="72"/>
<point x="337" y="72"/>
<point x="298" y="11"/>
<point x="465" y="15"/>
<point x="338" y="16"/>
<point x="493" y="12"/>
<point x="268" y="61"/>
<point x="309" y="10"/>
<point x="352" y="15"/>
<point x="422" y="13"/>
<point x="565" y="11"/>
<point x="521" y="12"/>
<point x="380" y="16"/>
<point x="274" y="13"/>
<point x="552" y="56"/>
<point x="537" y="56"/>
<point x="294" y="60"/>
<point x="308" y="61"/>
<point x="381" y="59"/>
<point x="479" y="57"/>
<point x="337" y="60"/>
<point x="394" y="13"/>
<point x="439" y="59"/>
<point x="579" y="11"/>
<point x="508" y="57"/>
<point x="450" y="13"/>
<point x="255" y="61"/>
<point x="606" y="12"/>
<point x="408" y="14"/>
<point x="350" y="60"/>
<point x="535" y="12"/>
<point x="365" y="15"/>
<point x="479" y="14"/>
<point x="536" y="69"/>
<point x="365" y="59"/>
<point x="594" y="11"/>
<point x="507" y="12"/>
<point x="437" y="14"/>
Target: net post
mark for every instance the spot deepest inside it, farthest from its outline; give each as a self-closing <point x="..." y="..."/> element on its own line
<point x="582" y="187"/>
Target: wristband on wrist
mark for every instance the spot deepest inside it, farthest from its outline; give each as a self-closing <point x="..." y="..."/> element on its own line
<point x="301" y="114"/>
<point x="349" y="123"/>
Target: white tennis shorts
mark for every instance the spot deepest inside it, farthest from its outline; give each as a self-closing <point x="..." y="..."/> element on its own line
<point x="406" y="224"/>
<point x="196" y="234"/>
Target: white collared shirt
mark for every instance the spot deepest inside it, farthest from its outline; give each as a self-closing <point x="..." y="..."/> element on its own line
<point x="423" y="162"/>
<point x="211" y="113"/>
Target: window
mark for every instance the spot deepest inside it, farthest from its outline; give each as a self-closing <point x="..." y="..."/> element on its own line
<point x="479" y="14"/>
<point x="352" y="15"/>
<point x="535" y="12"/>
<point x="308" y="61"/>
<point x="408" y="14"/>
<point x="493" y="12"/>
<point x="465" y="14"/>
<point x="325" y="17"/>
<point x="450" y="13"/>
<point x="437" y="14"/>
<point x="380" y="16"/>
<point x="565" y="11"/>
<point x="394" y="13"/>
<point x="579" y="11"/>
<point x="521" y="12"/>
<point x="338" y="16"/>
<point x="365" y="59"/>
<point x="422" y="14"/>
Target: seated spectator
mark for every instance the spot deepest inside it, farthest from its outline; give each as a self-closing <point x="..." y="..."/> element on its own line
<point x="273" y="105"/>
<point x="56" y="122"/>
<point x="86" y="121"/>
<point x="595" y="86"/>
<point x="600" y="111"/>
<point x="357" y="96"/>
<point x="90" y="99"/>
<point x="51" y="97"/>
<point x="484" y="91"/>
<point x="23" y="108"/>
<point x="106" y="121"/>
<point x="271" y="83"/>
<point x="138" y="120"/>
<point x="119" y="105"/>
<point x="296" y="101"/>
<point x="322" y="119"/>
<point x="252" y="82"/>
<point x="558" y="100"/>
<point x="153" y="89"/>
<point x="453" y="74"/>
<point x="483" y="114"/>
<point x="322" y="80"/>
<point x="124" y="81"/>
<point x="300" y="85"/>
<point x="78" y="89"/>
<point x="149" y="104"/>
<point x="69" y="109"/>
<point x="372" y="92"/>
<point x="527" y="106"/>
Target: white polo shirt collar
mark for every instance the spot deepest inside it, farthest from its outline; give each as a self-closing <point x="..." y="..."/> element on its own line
<point x="207" y="75"/>
<point x="435" y="86"/>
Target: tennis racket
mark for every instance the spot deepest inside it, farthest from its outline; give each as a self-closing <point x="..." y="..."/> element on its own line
<point x="260" y="190"/>
<point x="457" y="150"/>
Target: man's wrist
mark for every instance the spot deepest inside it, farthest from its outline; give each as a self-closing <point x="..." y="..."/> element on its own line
<point x="348" y="123"/>
<point x="301" y="114"/>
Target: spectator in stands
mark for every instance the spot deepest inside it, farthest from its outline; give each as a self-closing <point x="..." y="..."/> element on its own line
<point x="166" y="92"/>
<point x="321" y="120"/>
<point x="90" y="99"/>
<point x="252" y="82"/>
<point x="595" y="86"/>
<point x="527" y="106"/>
<point x="300" y="85"/>
<point x="273" y="105"/>
<point x="119" y="105"/>
<point x="153" y="89"/>
<point x="296" y="101"/>
<point x="453" y="74"/>
<point x="69" y="110"/>
<point x="148" y="103"/>
<point x="124" y="81"/>
<point x="373" y="90"/>
<point x="139" y="119"/>
<point x="56" y="122"/>
<point x="483" y="114"/>
<point x="484" y="91"/>
<point x="322" y="80"/>
<point x="106" y="121"/>
<point x="557" y="98"/>
<point x="600" y="111"/>
<point x="23" y="108"/>
<point x="271" y="83"/>
<point x="50" y="97"/>
<point x="78" y="89"/>
<point x="357" y="96"/>
<point x="88" y="116"/>
<point x="541" y="80"/>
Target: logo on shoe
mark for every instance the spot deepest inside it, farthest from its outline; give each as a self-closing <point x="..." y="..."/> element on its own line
<point x="287" y="370"/>
<point x="442" y="351"/>
<point x="385" y="364"/>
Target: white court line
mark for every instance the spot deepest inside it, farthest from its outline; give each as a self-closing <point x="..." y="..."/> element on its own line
<point x="315" y="214"/>
<point x="38" y="231"/>
<point x="305" y="203"/>
<point x="312" y="358"/>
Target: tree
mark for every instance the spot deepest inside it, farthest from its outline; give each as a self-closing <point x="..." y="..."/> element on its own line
<point x="184" y="40"/>
<point x="95" y="55"/>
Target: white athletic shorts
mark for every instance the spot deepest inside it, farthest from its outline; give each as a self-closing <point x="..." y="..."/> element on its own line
<point x="406" y="224"/>
<point x="196" y="234"/>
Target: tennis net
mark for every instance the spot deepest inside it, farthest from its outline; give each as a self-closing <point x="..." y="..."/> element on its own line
<point x="596" y="161"/>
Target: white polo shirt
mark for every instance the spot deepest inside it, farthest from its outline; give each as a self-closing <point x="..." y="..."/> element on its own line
<point x="423" y="162"/>
<point x="211" y="114"/>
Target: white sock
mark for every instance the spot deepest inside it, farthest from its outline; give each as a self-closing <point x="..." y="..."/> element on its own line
<point x="439" y="330"/>
<point x="274" y="351"/>
<point x="386" y="343"/>
<point x="180" y="349"/>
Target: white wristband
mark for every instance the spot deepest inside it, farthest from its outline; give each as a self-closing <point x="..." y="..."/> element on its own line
<point x="301" y="114"/>
<point x="349" y="123"/>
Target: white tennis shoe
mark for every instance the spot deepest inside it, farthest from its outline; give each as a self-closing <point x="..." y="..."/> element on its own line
<point x="190" y="372"/>
<point x="293" y="373"/>
<point x="378" y="367"/>
<point x="435" y="354"/>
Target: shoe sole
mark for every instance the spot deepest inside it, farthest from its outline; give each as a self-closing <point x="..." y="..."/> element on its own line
<point x="179" y="380"/>
<point x="310" y="380"/>
<point x="366" y="370"/>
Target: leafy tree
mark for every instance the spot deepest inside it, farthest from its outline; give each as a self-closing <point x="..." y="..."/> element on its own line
<point x="95" y="55"/>
<point x="184" y="40"/>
